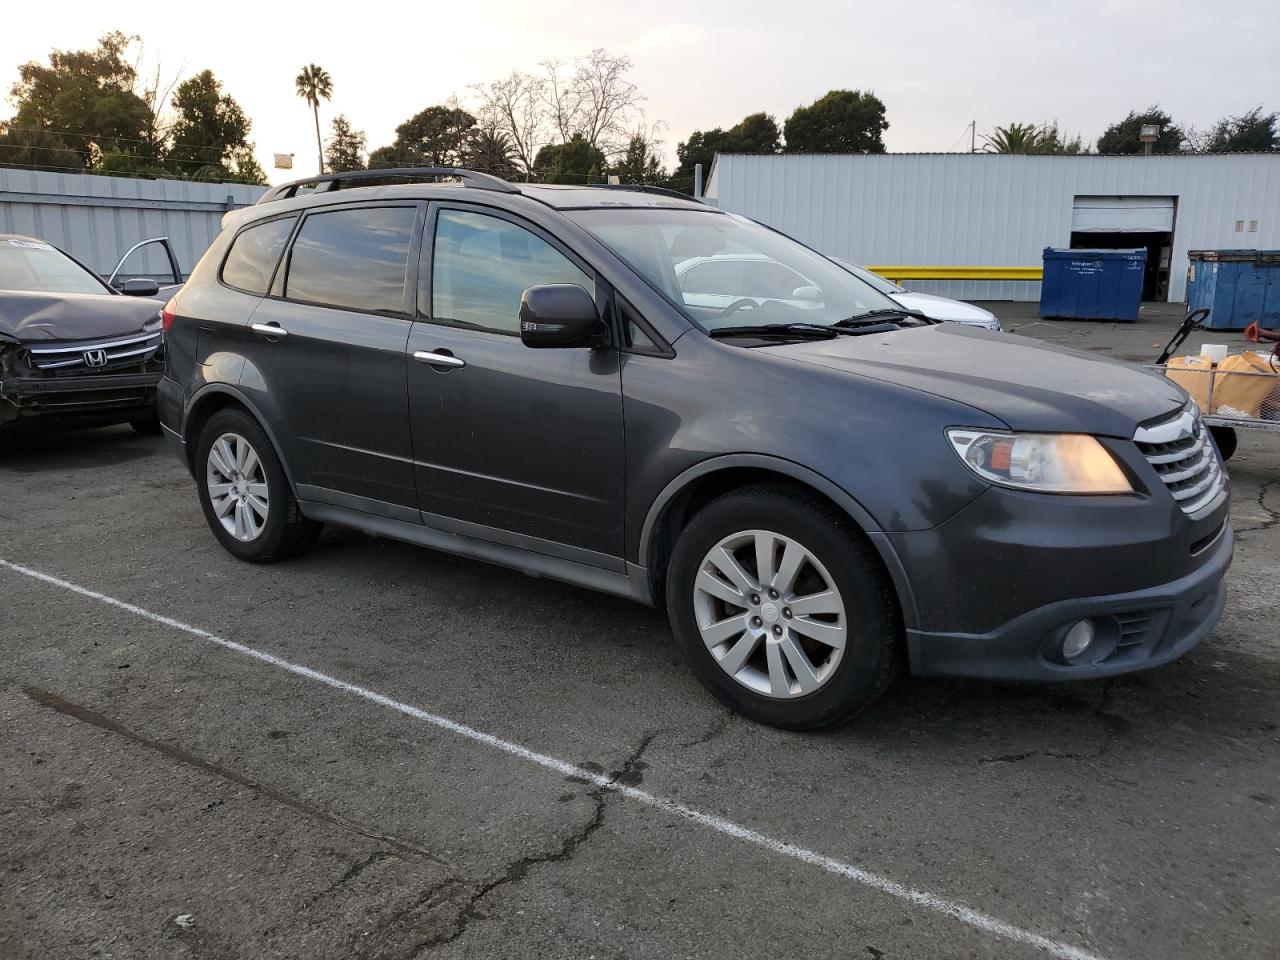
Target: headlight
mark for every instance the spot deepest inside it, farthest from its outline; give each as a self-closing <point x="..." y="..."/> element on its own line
<point x="1046" y="462"/>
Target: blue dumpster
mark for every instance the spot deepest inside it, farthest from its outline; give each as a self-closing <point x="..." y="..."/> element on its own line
<point x="1092" y="284"/>
<point x="1237" y="286"/>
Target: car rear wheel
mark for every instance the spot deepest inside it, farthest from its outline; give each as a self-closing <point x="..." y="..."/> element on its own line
<point x="245" y="494"/>
<point x="782" y="609"/>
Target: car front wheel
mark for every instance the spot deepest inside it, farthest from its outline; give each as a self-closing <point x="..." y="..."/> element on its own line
<point x="245" y="493"/>
<point x="782" y="609"/>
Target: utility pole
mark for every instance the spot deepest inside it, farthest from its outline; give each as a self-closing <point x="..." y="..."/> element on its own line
<point x="973" y="136"/>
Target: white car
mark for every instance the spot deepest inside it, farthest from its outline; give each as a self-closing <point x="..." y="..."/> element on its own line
<point x="936" y="308"/>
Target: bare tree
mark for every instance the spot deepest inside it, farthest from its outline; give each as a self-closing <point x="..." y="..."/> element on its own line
<point x="606" y="101"/>
<point x="515" y="106"/>
<point x="562" y="99"/>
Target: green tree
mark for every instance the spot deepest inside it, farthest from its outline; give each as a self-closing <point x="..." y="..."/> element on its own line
<point x="754" y="133"/>
<point x="345" y="149"/>
<point x="1253" y="131"/>
<point x="440" y="136"/>
<point x="78" y="107"/>
<point x="1122" y="137"/>
<point x="314" y="84"/>
<point x="574" y="162"/>
<point x="1014" y="138"/>
<point x="492" y="152"/>
<point x="639" y="164"/>
<point x="210" y="136"/>
<point x="842" y="121"/>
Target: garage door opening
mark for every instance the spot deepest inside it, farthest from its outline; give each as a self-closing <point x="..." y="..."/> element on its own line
<point x="1125" y="223"/>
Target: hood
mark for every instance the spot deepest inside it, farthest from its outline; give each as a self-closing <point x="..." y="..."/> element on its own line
<point x="944" y="308"/>
<point x="32" y="317"/>
<point x="1027" y="384"/>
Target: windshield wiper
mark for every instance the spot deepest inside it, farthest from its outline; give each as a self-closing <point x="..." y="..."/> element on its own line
<point x="873" y="317"/>
<point x="777" y="329"/>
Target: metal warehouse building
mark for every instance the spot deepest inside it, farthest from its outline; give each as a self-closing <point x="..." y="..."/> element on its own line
<point x="920" y="210"/>
<point x="96" y="218"/>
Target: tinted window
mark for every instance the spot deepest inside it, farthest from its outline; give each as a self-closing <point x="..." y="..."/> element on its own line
<point x="352" y="258"/>
<point x="483" y="264"/>
<point x="254" y="254"/>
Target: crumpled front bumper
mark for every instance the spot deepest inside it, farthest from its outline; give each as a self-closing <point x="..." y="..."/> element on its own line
<point x="77" y="401"/>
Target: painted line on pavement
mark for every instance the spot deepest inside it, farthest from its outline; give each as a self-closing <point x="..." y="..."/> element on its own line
<point x="921" y="898"/>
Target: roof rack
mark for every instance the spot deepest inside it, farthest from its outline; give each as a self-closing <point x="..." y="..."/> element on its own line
<point x="335" y="181"/>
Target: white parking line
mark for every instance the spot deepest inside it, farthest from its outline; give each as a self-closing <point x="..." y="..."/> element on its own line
<point x="921" y="898"/>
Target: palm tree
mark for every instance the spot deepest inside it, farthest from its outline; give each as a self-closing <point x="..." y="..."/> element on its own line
<point x="313" y="85"/>
<point x="1015" y="138"/>
<point x="491" y="152"/>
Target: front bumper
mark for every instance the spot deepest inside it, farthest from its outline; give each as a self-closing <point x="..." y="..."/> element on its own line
<point x="1137" y="630"/>
<point x="77" y="401"/>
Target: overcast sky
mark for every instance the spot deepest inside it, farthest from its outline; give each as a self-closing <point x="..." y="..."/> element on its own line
<point x="936" y="65"/>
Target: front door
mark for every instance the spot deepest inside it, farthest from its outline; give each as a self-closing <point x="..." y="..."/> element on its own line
<point x="510" y="443"/>
<point x="335" y="371"/>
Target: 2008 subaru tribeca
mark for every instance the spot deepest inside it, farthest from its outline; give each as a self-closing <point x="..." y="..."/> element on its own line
<point x="576" y="382"/>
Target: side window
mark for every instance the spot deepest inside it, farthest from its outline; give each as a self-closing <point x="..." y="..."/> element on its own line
<point x="354" y="258"/>
<point x="721" y="277"/>
<point x="254" y="254"/>
<point x="481" y="266"/>
<point x="770" y="280"/>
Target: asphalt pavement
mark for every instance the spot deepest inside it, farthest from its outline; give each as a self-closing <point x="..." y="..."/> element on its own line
<point x="381" y="751"/>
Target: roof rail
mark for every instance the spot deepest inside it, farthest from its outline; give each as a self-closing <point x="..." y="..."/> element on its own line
<point x="645" y="188"/>
<point x="335" y="181"/>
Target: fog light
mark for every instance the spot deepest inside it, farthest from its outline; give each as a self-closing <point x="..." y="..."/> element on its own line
<point x="1078" y="639"/>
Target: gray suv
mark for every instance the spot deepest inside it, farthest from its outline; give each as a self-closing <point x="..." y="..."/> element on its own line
<point x="631" y="391"/>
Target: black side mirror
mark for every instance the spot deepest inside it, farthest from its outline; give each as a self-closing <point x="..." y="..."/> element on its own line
<point x="558" y="315"/>
<point x="140" y="287"/>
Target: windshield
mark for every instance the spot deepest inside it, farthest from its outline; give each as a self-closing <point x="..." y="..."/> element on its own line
<point x="38" y="267"/>
<point x="866" y="276"/>
<point x="726" y="271"/>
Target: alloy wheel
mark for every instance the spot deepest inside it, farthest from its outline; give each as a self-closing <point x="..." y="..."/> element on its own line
<point x="770" y="614"/>
<point x="237" y="487"/>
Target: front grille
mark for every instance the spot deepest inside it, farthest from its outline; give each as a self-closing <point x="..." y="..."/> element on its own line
<point x="1184" y="457"/>
<point x="96" y="356"/>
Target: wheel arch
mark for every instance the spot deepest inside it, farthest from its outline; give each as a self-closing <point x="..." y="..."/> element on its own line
<point x="697" y="486"/>
<point x="220" y="396"/>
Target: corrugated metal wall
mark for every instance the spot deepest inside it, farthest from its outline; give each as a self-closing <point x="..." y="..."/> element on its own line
<point x="992" y="210"/>
<point x="97" y="219"/>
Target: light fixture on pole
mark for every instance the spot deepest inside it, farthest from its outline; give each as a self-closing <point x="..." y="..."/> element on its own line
<point x="1149" y="134"/>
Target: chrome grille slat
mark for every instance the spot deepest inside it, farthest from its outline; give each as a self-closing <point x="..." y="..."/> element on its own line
<point x="65" y="356"/>
<point x="1180" y="452"/>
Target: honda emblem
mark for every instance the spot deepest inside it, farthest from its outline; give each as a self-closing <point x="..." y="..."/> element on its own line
<point x="95" y="358"/>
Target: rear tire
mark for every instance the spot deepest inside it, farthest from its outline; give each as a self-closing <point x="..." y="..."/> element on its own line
<point x="1226" y="439"/>
<point x="820" y="635"/>
<point x="245" y="495"/>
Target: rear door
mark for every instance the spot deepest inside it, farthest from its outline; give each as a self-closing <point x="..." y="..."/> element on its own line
<point x="329" y="356"/>
<point x="511" y="443"/>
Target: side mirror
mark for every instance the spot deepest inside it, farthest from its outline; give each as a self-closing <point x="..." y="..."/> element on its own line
<point x="558" y="315"/>
<point x="140" y="287"/>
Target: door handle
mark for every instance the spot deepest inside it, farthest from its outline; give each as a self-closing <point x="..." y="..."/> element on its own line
<point x="438" y="359"/>
<point x="269" y="330"/>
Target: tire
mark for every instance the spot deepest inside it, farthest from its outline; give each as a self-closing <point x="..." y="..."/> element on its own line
<point x="283" y="532"/>
<point x="838" y="561"/>
<point x="1225" y="438"/>
<point x="148" y="426"/>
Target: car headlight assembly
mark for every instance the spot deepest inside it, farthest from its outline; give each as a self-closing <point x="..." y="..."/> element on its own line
<point x="1043" y="462"/>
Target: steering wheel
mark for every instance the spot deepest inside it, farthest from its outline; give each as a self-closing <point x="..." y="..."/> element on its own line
<point x="741" y="303"/>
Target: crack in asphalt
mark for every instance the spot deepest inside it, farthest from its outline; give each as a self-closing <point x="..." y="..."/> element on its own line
<point x="714" y="729"/>
<point x="518" y="870"/>
<point x="83" y="714"/>
<point x="1272" y="515"/>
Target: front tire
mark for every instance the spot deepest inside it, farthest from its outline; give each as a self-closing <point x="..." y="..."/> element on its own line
<point x="245" y="494"/>
<point x="147" y="426"/>
<point x="782" y="608"/>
